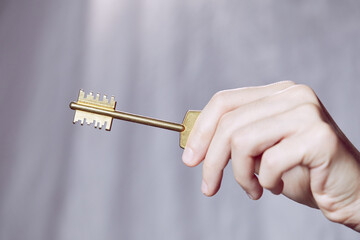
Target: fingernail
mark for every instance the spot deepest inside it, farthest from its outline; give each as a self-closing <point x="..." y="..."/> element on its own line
<point x="187" y="156"/>
<point x="204" y="187"/>
<point x="249" y="195"/>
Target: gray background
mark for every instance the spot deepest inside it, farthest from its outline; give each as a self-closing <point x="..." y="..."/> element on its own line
<point x="159" y="58"/>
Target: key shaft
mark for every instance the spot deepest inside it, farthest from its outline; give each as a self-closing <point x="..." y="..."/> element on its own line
<point x="129" y="117"/>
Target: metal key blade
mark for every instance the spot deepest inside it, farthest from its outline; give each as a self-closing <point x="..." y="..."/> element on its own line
<point x="92" y="101"/>
<point x="101" y="112"/>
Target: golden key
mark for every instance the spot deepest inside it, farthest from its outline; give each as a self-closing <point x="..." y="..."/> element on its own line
<point x="101" y="113"/>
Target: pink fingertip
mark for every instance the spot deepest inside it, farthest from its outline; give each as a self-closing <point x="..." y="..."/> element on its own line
<point x="204" y="187"/>
<point x="188" y="156"/>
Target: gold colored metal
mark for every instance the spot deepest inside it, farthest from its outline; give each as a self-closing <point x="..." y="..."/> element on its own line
<point x="189" y="121"/>
<point x="90" y="101"/>
<point x="102" y="112"/>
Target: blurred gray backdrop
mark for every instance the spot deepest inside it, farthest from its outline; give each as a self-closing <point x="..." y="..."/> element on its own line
<point x="159" y="58"/>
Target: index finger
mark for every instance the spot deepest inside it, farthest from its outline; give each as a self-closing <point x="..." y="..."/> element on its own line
<point x="221" y="103"/>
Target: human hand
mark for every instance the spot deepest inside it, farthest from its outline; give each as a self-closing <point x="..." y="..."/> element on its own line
<point x="281" y="138"/>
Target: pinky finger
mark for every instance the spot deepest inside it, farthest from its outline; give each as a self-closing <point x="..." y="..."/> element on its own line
<point x="279" y="159"/>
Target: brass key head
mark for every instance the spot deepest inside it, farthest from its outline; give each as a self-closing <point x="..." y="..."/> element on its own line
<point x="189" y="121"/>
<point x="90" y="100"/>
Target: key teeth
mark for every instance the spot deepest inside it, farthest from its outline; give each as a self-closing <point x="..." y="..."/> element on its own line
<point x="112" y="100"/>
<point x="95" y="99"/>
<point x="90" y="96"/>
<point x="89" y="121"/>
<point x="108" y="125"/>
<point x="100" y="124"/>
<point x="81" y="122"/>
<point x="81" y="94"/>
<point x="105" y="100"/>
<point x="97" y="124"/>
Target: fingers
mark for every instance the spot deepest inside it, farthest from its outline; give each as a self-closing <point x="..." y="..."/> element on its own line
<point x="292" y="158"/>
<point x="221" y="103"/>
<point x="218" y="152"/>
<point x="248" y="142"/>
<point x="279" y="159"/>
<point x="248" y="125"/>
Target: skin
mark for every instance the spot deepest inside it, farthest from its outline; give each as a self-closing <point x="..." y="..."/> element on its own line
<point x="281" y="138"/>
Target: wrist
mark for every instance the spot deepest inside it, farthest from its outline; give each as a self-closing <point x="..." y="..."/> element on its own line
<point x="344" y="208"/>
<point x="353" y="221"/>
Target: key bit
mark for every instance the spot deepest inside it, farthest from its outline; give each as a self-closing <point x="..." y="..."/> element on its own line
<point x="91" y="109"/>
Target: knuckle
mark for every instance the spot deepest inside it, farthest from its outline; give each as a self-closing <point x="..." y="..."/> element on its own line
<point x="264" y="183"/>
<point x="304" y="89"/>
<point x="304" y="93"/>
<point x="219" y="98"/>
<point x="310" y="110"/>
<point x="236" y="141"/>
<point x="327" y="136"/>
<point x="226" y="122"/>
<point x="240" y="140"/>
<point x="268" y="160"/>
<point x="269" y="167"/>
<point x="202" y="133"/>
